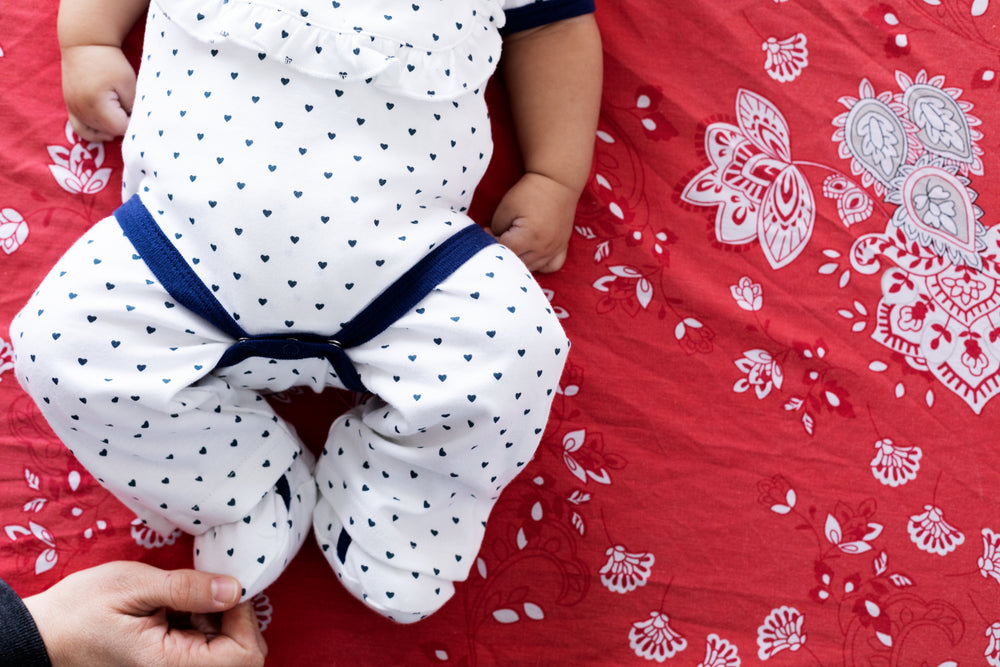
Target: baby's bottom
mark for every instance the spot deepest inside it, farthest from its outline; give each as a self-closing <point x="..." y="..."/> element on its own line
<point x="461" y="389"/>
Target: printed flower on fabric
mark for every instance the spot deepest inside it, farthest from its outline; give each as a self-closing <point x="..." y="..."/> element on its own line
<point x="585" y="457"/>
<point x="870" y="612"/>
<point x="762" y="373"/>
<point x="989" y="562"/>
<point x="760" y="194"/>
<point x="633" y="287"/>
<point x="148" y="538"/>
<point x="785" y="59"/>
<point x="654" y="639"/>
<point x="78" y="169"/>
<point x="894" y="465"/>
<point x="13" y="230"/>
<point x="6" y="357"/>
<point x="935" y="209"/>
<point x="946" y="126"/>
<point x="48" y="556"/>
<point x="748" y="294"/>
<point x="781" y="630"/>
<point x="993" y="647"/>
<point x="876" y="135"/>
<point x="941" y="299"/>
<point x="851" y="538"/>
<point x="776" y="494"/>
<point x="263" y="610"/>
<point x="720" y="652"/>
<point x="625" y="571"/>
<point x="824" y="583"/>
<point x="693" y="336"/>
<point x="931" y="533"/>
<point x="853" y="204"/>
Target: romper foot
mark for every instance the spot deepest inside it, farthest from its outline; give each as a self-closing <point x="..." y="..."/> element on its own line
<point x="400" y="596"/>
<point x="257" y="548"/>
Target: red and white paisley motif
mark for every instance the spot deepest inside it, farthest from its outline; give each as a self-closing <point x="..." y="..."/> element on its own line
<point x="759" y="192"/>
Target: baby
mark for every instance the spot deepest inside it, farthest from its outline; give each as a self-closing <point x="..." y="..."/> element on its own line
<point x="297" y="176"/>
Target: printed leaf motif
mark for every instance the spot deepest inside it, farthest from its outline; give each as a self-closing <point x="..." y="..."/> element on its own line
<point x="506" y="616"/>
<point x="625" y="272"/>
<point x="809" y="423"/>
<point x="938" y="123"/>
<point x="46" y="561"/>
<point x="786" y="220"/>
<point x="944" y="128"/>
<point x="763" y="124"/>
<point x="643" y="292"/>
<point x="880" y="563"/>
<point x="13" y="532"/>
<point x="900" y="580"/>
<point x="794" y="403"/>
<point x="787" y="506"/>
<point x="533" y="611"/>
<point x="874" y="135"/>
<point x="879" y="142"/>
<point x="35" y="505"/>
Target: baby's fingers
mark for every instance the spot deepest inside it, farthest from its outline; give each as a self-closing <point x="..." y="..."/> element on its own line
<point x="101" y="118"/>
<point x="524" y="242"/>
<point x="88" y="133"/>
<point x="518" y="239"/>
<point x="552" y="264"/>
<point x="99" y="88"/>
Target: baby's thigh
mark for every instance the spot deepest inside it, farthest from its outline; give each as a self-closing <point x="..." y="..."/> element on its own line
<point x="124" y="376"/>
<point x="100" y="324"/>
<point x="485" y="344"/>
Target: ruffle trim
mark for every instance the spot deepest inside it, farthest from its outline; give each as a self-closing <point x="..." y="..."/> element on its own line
<point x="443" y="69"/>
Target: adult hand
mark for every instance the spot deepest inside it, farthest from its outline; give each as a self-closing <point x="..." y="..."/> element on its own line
<point x="121" y="614"/>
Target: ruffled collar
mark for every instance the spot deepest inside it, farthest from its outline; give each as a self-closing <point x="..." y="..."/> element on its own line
<point x="422" y="48"/>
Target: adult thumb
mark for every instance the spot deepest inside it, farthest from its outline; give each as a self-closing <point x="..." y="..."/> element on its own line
<point x="187" y="590"/>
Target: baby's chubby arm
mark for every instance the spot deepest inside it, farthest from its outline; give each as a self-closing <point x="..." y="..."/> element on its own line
<point x="554" y="76"/>
<point x="98" y="81"/>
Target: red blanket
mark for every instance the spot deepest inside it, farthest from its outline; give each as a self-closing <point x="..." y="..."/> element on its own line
<point x="775" y="439"/>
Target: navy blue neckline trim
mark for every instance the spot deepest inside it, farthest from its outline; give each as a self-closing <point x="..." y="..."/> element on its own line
<point x="542" y="12"/>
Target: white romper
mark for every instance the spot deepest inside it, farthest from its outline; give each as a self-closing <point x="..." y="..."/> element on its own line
<point x="301" y="155"/>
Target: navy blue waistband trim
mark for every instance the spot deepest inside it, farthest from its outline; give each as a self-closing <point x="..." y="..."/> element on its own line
<point x="183" y="284"/>
<point x="170" y="268"/>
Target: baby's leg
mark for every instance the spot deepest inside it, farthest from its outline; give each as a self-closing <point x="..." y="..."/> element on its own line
<point x="407" y="480"/>
<point x="122" y="374"/>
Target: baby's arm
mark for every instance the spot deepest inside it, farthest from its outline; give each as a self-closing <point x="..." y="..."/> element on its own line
<point x="554" y="77"/>
<point x="98" y="81"/>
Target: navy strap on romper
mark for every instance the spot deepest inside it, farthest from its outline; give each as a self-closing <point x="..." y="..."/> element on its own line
<point x="184" y="285"/>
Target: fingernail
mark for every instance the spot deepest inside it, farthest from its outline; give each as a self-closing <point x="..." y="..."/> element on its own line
<point x="225" y="590"/>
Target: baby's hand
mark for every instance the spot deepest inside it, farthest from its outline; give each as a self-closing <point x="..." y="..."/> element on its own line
<point x="99" y="89"/>
<point x="535" y="220"/>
